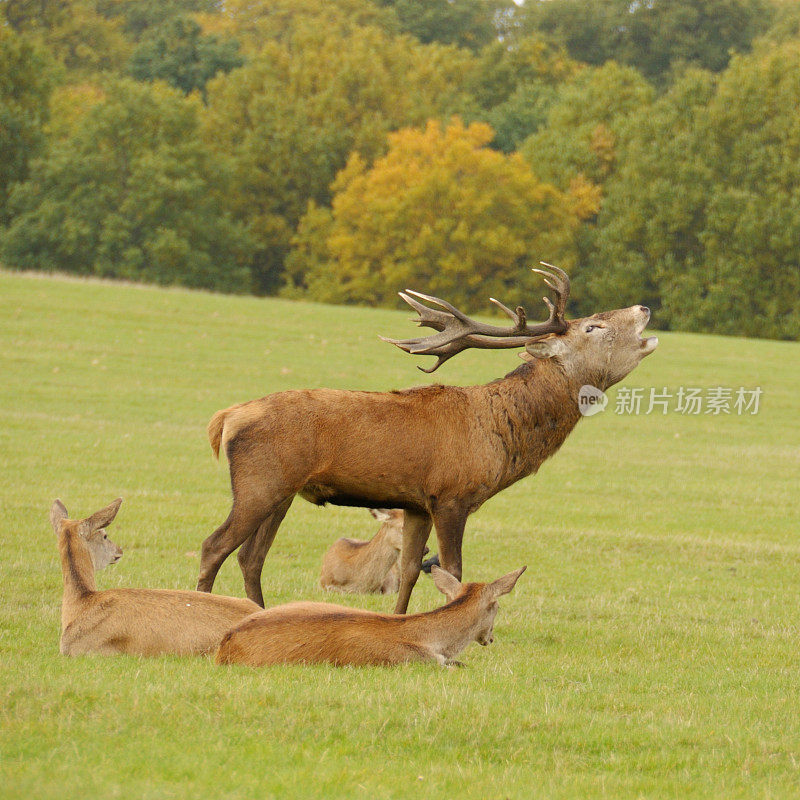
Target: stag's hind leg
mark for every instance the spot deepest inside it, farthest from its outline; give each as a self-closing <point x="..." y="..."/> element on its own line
<point x="254" y="550"/>
<point x="252" y="505"/>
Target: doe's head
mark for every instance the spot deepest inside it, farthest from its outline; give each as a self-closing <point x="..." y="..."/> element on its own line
<point x="392" y="527"/>
<point x="485" y="597"/>
<point x="91" y="530"/>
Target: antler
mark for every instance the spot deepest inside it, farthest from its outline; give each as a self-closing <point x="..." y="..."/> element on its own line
<point x="458" y="332"/>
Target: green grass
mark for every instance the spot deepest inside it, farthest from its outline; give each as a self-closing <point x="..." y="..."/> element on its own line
<point x="650" y="650"/>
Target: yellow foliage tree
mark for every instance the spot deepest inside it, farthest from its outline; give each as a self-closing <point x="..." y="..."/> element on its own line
<point x="441" y="212"/>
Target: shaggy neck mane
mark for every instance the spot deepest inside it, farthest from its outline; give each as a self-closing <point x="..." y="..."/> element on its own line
<point x="533" y="410"/>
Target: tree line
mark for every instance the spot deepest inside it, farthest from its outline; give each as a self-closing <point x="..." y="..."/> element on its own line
<point x="340" y="151"/>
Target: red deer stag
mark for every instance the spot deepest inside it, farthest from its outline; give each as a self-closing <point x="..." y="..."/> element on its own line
<point x="439" y="452"/>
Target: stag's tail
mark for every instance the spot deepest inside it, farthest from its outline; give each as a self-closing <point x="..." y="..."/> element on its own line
<point x="215" y="428"/>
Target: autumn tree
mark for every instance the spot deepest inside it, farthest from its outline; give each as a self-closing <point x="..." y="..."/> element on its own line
<point x="130" y="193"/>
<point x="441" y="211"/>
<point x="73" y="32"/>
<point x="292" y="122"/>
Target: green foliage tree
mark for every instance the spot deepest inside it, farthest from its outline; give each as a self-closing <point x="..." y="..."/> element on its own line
<point x="180" y="54"/>
<point x="651" y="36"/>
<point x="132" y="193"/>
<point x="653" y="205"/>
<point x="256" y="23"/>
<point x="25" y="85"/>
<point x="440" y="210"/>
<point x="140" y="16"/>
<point x="704" y="215"/>
<point x="511" y="86"/>
<point x="580" y="137"/>
<point x="292" y="122"/>
<point x="577" y="149"/>
<point x="466" y="23"/>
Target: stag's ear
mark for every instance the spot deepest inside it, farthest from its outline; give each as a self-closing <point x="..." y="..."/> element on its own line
<point x="101" y="518"/>
<point x="445" y="583"/>
<point x="505" y="584"/>
<point x="546" y="348"/>
<point x="525" y="356"/>
<point x="58" y="513"/>
<point x="381" y="514"/>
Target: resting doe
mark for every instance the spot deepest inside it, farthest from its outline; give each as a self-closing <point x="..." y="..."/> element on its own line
<point x="371" y="567"/>
<point x="143" y="622"/>
<point x="322" y="632"/>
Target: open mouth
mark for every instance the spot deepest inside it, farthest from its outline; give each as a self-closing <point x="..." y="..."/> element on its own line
<point x="646" y="343"/>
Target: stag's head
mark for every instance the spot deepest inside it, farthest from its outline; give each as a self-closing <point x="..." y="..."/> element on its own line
<point x="600" y="350"/>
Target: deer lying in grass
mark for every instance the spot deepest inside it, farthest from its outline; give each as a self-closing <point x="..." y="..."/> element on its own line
<point x="144" y="622"/>
<point x="438" y="452"/>
<point x="323" y="632"/>
<point x="370" y="567"/>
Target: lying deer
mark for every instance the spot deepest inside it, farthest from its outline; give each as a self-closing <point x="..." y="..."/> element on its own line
<point x="144" y="622"/>
<point x="439" y="452"/>
<point x="323" y="632"/>
<point x="371" y="567"/>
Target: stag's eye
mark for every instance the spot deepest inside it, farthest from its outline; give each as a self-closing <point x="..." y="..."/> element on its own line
<point x="590" y="328"/>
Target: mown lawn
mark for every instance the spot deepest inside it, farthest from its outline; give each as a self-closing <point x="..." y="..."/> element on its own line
<point x="650" y="650"/>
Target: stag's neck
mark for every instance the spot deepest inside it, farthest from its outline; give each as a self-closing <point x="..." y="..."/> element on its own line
<point x="77" y="570"/>
<point x="449" y="629"/>
<point x="533" y="410"/>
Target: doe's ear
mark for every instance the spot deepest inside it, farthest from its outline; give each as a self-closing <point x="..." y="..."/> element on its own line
<point x="58" y="513"/>
<point x="105" y="516"/>
<point x="546" y="348"/>
<point x="505" y="584"/>
<point x="445" y="582"/>
<point x="381" y="514"/>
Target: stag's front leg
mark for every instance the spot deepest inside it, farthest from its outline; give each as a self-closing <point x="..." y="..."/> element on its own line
<point x="416" y="528"/>
<point x="450" y="521"/>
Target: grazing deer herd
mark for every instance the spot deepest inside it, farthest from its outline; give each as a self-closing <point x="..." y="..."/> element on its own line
<point x="419" y="458"/>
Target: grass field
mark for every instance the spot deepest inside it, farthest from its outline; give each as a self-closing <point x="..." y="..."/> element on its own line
<point x="652" y="648"/>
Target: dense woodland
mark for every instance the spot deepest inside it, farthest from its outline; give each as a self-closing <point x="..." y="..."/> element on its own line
<point x="342" y="150"/>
